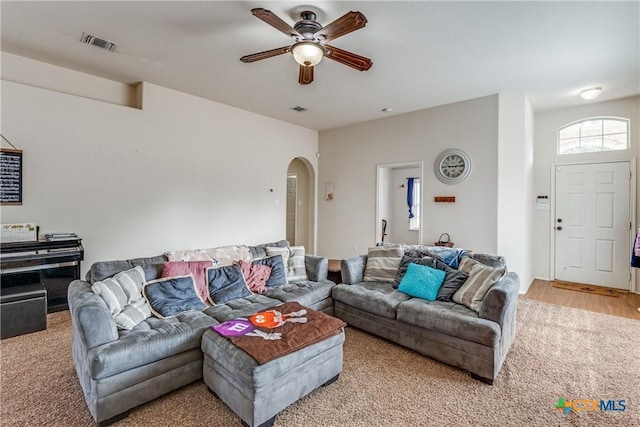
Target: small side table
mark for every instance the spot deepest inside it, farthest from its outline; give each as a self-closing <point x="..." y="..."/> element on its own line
<point x="335" y="272"/>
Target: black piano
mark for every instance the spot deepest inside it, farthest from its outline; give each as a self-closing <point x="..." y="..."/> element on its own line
<point x="34" y="278"/>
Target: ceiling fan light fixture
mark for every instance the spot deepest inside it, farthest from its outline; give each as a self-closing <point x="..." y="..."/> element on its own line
<point x="307" y="53"/>
<point x="590" y="93"/>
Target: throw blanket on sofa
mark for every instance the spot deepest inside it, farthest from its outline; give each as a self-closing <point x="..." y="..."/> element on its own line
<point x="450" y="256"/>
<point x="293" y="336"/>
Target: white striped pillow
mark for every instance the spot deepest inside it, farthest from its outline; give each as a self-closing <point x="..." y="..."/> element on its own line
<point x="123" y="295"/>
<point x="481" y="278"/>
<point x="293" y="258"/>
<point x="382" y="263"/>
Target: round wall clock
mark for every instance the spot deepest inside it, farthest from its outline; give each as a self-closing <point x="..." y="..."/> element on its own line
<point x="452" y="166"/>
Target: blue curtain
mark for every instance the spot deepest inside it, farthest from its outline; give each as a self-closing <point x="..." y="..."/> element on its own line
<point x="410" y="196"/>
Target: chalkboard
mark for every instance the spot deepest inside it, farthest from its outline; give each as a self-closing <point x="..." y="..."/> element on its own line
<point x="10" y="176"/>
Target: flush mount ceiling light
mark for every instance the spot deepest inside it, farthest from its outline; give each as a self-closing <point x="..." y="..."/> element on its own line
<point x="590" y="93"/>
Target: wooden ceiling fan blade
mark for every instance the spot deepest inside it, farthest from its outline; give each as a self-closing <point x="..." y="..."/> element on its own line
<point x="347" y="23"/>
<point x="277" y="23"/>
<point x="350" y="59"/>
<point x="306" y="74"/>
<point x="266" y="54"/>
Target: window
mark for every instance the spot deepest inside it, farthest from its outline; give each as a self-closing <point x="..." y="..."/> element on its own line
<point x="414" y="223"/>
<point x="595" y="134"/>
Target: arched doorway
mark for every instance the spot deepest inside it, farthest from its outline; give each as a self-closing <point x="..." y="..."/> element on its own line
<point x="300" y="207"/>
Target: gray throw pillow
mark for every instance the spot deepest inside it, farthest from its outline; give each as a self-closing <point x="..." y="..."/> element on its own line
<point x="226" y="283"/>
<point x="404" y="264"/>
<point x="278" y="275"/>
<point x="170" y="296"/>
<point x="453" y="280"/>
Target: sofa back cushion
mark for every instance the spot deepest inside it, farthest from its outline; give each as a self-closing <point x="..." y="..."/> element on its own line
<point x="260" y="251"/>
<point x="382" y="263"/>
<point x="481" y="278"/>
<point x="152" y="267"/>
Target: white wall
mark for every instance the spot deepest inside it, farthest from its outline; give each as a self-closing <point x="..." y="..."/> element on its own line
<point x="349" y="155"/>
<point x="515" y="185"/>
<point x="180" y="173"/>
<point x="546" y="127"/>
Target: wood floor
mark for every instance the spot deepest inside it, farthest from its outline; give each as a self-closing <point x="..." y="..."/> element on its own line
<point x="622" y="306"/>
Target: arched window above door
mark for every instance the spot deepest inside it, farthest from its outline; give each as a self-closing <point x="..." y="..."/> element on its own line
<point x="595" y="134"/>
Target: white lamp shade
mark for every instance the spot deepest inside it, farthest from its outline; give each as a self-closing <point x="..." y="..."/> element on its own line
<point x="590" y="93"/>
<point x="307" y="53"/>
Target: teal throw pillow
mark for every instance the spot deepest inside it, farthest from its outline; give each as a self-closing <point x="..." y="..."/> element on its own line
<point x="422" y="281"/>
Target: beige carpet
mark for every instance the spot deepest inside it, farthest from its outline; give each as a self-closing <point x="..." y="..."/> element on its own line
<point x="559" y="352"/>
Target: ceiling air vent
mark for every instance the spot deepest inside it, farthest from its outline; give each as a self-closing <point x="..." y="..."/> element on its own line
<point x="299" y="109"/>
<point x="97" y="41"/>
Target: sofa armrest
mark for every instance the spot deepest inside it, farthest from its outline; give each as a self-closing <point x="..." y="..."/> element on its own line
<point x="92" y="322"/>
<point x="352" y="269"/>
<point x="317" y="267"/>
<point x="499" y="304"/>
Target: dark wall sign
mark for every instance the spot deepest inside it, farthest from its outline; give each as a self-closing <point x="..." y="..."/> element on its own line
<point x="10" y="176"/>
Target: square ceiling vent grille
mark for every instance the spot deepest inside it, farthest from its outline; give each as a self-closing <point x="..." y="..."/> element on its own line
<point x="98" y="42"/>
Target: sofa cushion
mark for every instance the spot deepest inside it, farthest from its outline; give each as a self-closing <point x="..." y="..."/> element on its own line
<point x="278" y="276"/>
<point x="293" y="259"/>
<point x="374" y="297"/>
<point x="151" y="340"/>
<point x="122" y="294"/>
<point x="241" y="307"/>
<point x="260" y="251"/>
<point x="306" y="293"/>
<point x="453" y="280"/>
<point x="481" y="278"/>
<point x="197" y="268"/>
<point x="404" y="263"/>
<point x="152" y="267"/>
<point x="422" y="281"/>
<point x="495" y="261"/>
<point x="451" y="319"/>
<point x="226" y="283"/>
<point x="382" y="263"/>
<point x="170" y="296"/>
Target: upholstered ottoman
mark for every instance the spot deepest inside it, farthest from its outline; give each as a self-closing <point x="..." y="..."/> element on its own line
<point x="257" y="392"/>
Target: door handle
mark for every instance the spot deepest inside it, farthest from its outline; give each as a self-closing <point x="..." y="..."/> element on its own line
<point x="559" y="220"/>
<point x="559" y="228"/>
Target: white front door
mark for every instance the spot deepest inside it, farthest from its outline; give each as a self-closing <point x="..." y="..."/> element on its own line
<point x="592" y="224"/>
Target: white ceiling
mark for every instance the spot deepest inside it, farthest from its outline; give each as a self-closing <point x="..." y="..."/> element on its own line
<point x="424" y="53"/>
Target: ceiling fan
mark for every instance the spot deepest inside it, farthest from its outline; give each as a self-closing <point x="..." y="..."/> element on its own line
<point x="310" y="41"/>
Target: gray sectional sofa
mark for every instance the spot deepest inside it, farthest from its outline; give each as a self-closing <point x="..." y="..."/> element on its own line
<point x="446" y="331"/>
<point x="121" y="369"/>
